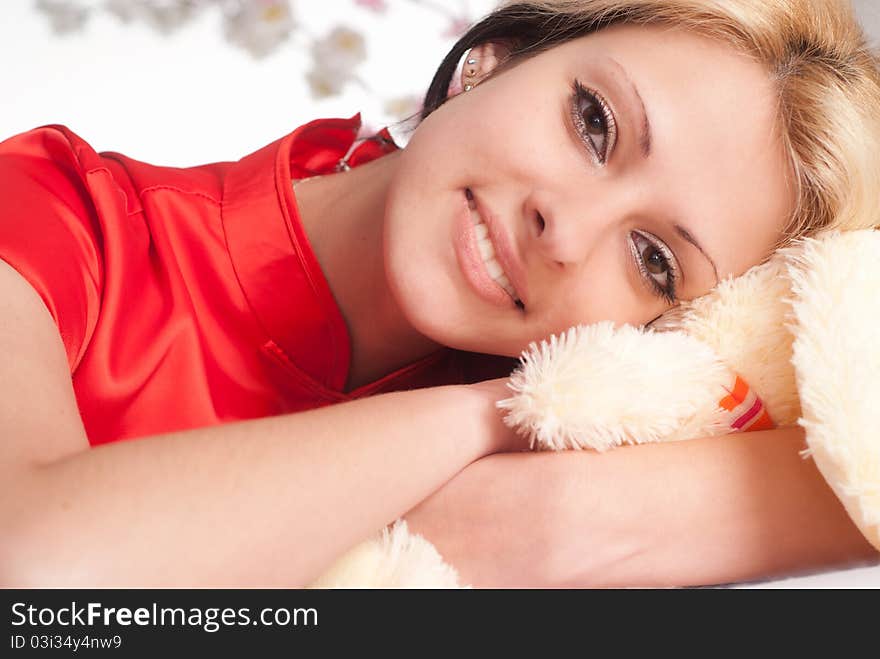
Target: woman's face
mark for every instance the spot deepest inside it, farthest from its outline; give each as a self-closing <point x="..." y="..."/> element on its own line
<point x="594" y="211"/>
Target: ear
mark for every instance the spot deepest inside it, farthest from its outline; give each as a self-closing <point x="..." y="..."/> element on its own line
<point x="480" y="62"/>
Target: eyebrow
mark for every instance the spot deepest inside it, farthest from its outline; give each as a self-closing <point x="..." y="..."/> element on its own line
<point x="645" y="136"/>
<point x="688" y="236"/>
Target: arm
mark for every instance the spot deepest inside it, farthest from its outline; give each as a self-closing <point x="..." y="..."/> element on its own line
<point x="725" y="509"/>
<point x="704" y="511"/>
<point x="263" y="502"/>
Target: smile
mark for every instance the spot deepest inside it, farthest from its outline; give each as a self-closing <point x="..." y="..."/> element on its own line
<point x="487" y="249"/>
<point x="478" y="256"/>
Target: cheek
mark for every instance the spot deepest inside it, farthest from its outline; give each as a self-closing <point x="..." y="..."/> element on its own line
<point x="602" y="290"/>
<point x="404" y="234"/>
<point x="418" y="255"/>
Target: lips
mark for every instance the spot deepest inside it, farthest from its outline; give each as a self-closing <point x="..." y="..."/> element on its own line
<point x="504" y="252"/>
<point x="470" y="261"/>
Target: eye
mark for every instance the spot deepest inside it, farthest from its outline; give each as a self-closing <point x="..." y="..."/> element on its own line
<point x="594" y="121"/>
<point x="656" y="263"/>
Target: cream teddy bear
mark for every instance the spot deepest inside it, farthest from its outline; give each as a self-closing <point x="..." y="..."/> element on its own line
<point x="794" y="340"/>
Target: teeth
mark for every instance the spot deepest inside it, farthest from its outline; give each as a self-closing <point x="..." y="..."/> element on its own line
<point x="494" y="268"/>
<point x="486" y="249"/>
<point x="487" y="252"/>
<point x="475" y="217"/>
<point x="506" y="285"/>
<point x="503" y="281"/>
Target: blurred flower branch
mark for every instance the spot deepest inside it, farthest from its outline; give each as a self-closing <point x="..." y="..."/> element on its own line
<point x="263" y="27"/>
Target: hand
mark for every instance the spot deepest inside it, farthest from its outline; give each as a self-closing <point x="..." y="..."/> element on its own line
<point x="503" y="438"/>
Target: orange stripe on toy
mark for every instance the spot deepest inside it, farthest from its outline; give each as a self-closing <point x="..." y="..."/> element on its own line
<point x="745" y="407"/>
<point x="764" y="422"/>
<point x="737" y="396"/>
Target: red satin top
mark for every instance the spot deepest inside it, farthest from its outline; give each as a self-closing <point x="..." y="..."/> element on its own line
<point x="186" y="297"/>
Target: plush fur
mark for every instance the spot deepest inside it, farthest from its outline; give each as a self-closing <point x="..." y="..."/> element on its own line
<point x="397" y="559"/>
<point x="801" y="330"/>
<point x="836" y="356"/>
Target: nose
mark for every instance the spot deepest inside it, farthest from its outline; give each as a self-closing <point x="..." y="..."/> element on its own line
<point x="565" y="229"/>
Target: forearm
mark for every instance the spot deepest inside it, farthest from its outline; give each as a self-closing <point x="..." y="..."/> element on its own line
<point x="263" y="502"/>
<point x="705" y="511"/>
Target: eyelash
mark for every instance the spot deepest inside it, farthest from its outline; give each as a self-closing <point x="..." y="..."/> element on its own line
<point x="579" y="95"/>
<point x="668" y="292"/>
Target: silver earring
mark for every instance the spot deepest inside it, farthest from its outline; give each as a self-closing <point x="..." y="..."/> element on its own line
<point x="470" y="73"/>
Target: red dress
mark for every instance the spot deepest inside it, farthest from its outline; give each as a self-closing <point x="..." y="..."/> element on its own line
<point x="186" y="297"/>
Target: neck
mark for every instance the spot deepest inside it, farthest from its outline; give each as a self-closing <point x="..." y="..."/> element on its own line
<point x="343" y="216"/>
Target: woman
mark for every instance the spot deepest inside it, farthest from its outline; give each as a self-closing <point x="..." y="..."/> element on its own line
<point x="602" y="160"/>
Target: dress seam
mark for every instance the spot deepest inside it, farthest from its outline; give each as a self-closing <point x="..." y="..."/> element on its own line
<point x="172" y="188"/>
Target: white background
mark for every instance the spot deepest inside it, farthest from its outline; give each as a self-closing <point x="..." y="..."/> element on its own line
<point x="193" y="97"/>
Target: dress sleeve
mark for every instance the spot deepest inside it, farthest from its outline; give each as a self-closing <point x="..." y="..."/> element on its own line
<point x="49" y="229"/>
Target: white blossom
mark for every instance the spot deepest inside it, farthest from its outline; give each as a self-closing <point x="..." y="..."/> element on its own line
<point x="260" y="26"/>
<point x="324" y="83"/>
<point x="162" y="15"/>
<point x="341" y="50"/>
<point x="64" y="16"/>
<point x="334" y="60"/>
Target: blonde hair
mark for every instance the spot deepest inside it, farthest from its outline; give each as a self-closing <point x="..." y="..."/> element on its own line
<point x="815" y="51"/>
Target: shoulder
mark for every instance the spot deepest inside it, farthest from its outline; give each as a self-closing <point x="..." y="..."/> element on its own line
<point x="49" y="230"/>
<point x="46" y="148"/>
